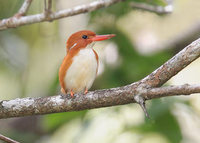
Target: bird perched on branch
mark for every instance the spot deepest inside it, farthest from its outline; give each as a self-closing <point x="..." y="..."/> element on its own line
<point x="79" y="67"/>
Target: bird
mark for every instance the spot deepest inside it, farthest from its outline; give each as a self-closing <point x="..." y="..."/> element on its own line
<point x="80" y="65"/>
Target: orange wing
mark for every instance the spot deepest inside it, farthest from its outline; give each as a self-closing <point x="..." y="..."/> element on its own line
<point x="97" y="58"/>
<point x="67" y="61"/>
<point x="62" y="71"/>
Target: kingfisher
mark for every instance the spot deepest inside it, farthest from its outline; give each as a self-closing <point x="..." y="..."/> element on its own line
<point x="79" y="67"/>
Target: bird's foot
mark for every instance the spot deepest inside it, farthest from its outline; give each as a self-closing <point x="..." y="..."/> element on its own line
<point x="86" y="91"/>
<point x="63" y="92"/>
<point x="141" y="101"/>
<point x="72" y="94"/>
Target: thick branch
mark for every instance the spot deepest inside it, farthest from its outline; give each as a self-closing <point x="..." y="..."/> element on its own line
<point x="151" y="8"/>
<point x="95" y="99"/>
<point x="110" y="97"/>
<point x="16" y="22"/>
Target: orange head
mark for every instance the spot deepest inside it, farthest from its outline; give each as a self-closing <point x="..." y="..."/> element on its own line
<point x="85" y="37"/>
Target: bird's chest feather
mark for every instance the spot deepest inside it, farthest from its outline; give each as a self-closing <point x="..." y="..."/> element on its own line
<point x="82" y="71"/>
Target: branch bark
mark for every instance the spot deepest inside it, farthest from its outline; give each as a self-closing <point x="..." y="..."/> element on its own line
<point x="24" y="20"/>
<point x="148" y="88"/>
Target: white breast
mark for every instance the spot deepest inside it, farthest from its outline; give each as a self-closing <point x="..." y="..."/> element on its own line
<point x="82" y="72"/>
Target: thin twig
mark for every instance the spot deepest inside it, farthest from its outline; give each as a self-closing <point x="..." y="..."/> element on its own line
<point x="49" y="5"/>
<point x="45" y="5"/>
<point x="16" y="22"/>
<point x="151" y="8"/>
<point x="47" y="9"/>
<point x="24" y="8"/>
<point x="147" y="88"/>
<point x="7" y="140"/>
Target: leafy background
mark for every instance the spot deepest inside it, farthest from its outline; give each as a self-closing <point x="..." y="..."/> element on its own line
<point x="30" y="57"/>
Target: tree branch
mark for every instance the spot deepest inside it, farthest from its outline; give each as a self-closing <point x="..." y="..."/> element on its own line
<point x="185" y="89"/>
<point x="151" y="8"/>
<point x="14" y="22"/>
<point x="24" y="8"/>
<point x="49" y="5"/>
<point x="47" y="9"/>
<point x="110" y="97"/>
<point x="7" y="140"/>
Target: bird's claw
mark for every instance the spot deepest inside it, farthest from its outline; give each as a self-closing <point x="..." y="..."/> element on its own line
<point x="72" y="94"/>
<point x="86" y="91"/>
<point x="140" y="100"/>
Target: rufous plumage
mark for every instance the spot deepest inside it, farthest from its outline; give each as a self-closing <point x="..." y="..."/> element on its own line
<point x="79" y="67"/>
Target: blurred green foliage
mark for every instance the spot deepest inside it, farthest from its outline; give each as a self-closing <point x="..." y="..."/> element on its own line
<point x="152" y="2"/>
<point x="51" y="123"/>
<point x="13" y="7"/>
<point x="162" y="121"/>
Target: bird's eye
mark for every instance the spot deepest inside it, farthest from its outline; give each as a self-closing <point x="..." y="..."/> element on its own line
<point x="84" y="36"/>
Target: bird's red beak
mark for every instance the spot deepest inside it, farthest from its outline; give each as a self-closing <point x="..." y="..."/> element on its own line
<point x="102" y="37"/>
